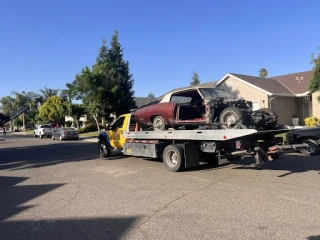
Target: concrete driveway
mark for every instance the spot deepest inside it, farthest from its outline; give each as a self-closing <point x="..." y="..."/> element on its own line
<point x="61" y="190"/>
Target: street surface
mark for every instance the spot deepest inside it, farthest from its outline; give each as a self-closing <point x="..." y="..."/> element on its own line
<point x="62" y="190"/>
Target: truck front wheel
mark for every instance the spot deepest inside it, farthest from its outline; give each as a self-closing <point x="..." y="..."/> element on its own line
<point x="173" y="158"/>
<point x="103" y="149"/>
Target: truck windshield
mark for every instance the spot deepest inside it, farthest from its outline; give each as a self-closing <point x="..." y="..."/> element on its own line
<point x="215" y="93"/>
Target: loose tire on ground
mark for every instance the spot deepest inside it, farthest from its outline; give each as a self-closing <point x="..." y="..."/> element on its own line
<point x="159" y="124"/>
<point x="103" y="150"/>
<point x="173" y="158"/>
<point x="233" y="116"/>
<point x="312" y="149"/>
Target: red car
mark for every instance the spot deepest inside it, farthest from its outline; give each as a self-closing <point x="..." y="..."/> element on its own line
<point x="197" y="106"/>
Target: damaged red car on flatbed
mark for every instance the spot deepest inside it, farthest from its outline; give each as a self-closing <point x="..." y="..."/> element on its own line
<point x="198" y="106"/>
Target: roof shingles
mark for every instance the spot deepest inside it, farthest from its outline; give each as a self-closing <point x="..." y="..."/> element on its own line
<point x="291" y="82"/>
<point x="267" y="84"/>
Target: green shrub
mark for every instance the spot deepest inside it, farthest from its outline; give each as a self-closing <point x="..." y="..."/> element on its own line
<point x="90" y="127"/>
<point x="68" y="123"/>
<point x="312" y="121"/>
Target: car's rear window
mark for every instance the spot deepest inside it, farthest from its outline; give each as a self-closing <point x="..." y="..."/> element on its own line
<point x="45" y="126"/>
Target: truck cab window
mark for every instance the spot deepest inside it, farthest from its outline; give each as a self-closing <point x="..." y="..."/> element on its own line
<point x="118" y="123"/>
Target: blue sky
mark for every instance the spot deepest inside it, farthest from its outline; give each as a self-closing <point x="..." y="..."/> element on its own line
<point x="45" y="43"/>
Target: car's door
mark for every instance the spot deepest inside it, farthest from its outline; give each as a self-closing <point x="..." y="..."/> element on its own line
<point x="116" y="133"/>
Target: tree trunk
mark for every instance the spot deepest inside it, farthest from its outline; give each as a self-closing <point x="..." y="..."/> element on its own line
<point x="78" y="126"/>
<point x="96" y="119"/>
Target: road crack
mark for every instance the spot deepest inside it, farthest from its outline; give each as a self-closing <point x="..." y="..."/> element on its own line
<point x="154" y="213"/>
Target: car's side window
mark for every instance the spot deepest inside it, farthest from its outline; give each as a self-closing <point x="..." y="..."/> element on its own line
<point x="180" y="99"/>
<point x="118" y="123"/>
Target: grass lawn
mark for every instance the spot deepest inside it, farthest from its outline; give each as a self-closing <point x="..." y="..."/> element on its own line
<point x="89" y="134"/>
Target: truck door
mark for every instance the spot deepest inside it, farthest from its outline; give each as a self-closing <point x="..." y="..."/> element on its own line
<point x="116" y="133"/>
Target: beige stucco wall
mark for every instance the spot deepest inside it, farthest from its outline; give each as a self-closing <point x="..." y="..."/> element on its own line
<point x="315" y="104"/>
<point x="241" y="90"/>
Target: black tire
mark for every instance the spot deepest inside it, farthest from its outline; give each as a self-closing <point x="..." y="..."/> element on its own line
<point x="312" y="149"/>
<point x="103" y="150"/>
<point x="273" y="118"/>
<point x="34" y="135"/>
<point x="158" y="124"/>
<point x="234" y="116"/>
<point x="173" y="158"/>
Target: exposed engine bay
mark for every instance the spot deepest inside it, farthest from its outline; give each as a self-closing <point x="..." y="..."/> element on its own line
<point x="238" y="113"/>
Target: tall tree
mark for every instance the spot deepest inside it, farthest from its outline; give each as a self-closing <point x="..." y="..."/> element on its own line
<point x="195" y="79"/>
<point x="118" y="71"/>
<point x="77" y="110"/>
<point x="54" y="109"/>
<point x="314" y="84"/>
<point x="151" y="95"/>
<point x="263" y="73"/>
<point x="48" y="92"/>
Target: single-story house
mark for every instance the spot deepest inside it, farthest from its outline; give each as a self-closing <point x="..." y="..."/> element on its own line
<point x="287" y="95"/>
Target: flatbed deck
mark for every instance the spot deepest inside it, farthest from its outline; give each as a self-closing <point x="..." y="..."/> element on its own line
<point x="205" y="135"/>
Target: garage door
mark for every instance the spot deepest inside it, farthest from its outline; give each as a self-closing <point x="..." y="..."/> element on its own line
<point x="255" y="105"/>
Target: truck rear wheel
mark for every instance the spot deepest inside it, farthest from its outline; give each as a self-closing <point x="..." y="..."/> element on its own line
<point x="173" y="158"/>
<point x="103" y="149"/>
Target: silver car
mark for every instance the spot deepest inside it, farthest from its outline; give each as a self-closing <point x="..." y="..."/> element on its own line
<point x="64" y="133"/>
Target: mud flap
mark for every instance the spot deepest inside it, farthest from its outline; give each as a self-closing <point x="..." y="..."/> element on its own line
<point x="191" y="154"/>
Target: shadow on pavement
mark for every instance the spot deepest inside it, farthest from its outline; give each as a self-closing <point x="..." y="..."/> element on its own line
<point x="17" y="158"/>
<point x="289" y="162"/>
<point x="84" y="228"/>
<point x="13" y="196"/>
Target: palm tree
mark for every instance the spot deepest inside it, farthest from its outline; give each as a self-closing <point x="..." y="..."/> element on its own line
<point x="263" y="72"/>
<point x="48" y="92"/>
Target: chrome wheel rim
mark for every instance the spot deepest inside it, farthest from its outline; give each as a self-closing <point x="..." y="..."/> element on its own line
<point x="172" y="157"/>
<point x="230" y="118"/>
<point x="158" y="124"/>
<point x="311" y="148"/>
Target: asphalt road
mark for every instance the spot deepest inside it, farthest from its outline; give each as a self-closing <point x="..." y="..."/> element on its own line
<point x="61" y="190"/>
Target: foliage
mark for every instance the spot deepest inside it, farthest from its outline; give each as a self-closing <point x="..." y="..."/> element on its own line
<point x="90" y="127"/>
<point x="195" y="79"/>
<point x="46" y="93"/>
<point x="314" y="84"/>
<point x="77" y="110"/>
<point x="107" y="86"/>
<point x="54" y="110"/>
<point x="312" y="121"/>
<point x="68" y="123"/>
<point x="263" y="73"/>
<point x="151" y="95"/>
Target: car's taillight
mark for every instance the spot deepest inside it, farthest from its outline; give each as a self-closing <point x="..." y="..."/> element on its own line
<point x="64" y="133"/>
<point x="42" y="129"/>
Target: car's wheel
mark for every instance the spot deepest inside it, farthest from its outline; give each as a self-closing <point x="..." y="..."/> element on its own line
<point x="103" y="149"/>
<point x="53" y="138"/>
<point x="231" y="118"/>
<point x="312" y="149"/>
<point x="173" y="158"/>
<point x="159" y="124"/>
<point x="271" y="116"/>
<point x="34" y="135"/>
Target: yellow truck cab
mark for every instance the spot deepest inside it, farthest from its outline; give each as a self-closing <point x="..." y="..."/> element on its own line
<point x="112" y="137"/>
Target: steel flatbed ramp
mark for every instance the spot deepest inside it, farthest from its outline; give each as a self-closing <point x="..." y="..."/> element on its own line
<point x="214" y="134"/>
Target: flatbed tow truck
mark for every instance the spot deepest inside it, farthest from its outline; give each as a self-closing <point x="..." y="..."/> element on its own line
<point x="183" y="149"/>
